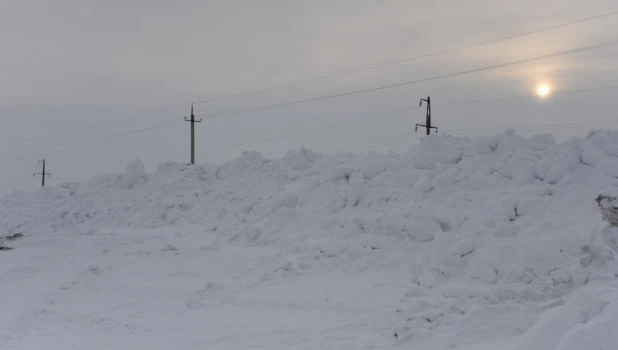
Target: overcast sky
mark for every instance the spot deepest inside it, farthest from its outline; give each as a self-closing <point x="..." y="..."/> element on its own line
<point x="68" y="64"/>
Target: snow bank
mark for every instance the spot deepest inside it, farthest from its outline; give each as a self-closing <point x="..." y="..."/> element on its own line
<point x="448" y="185"/>
<point x="515" y="216"/>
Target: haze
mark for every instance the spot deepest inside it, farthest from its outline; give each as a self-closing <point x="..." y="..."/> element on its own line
<point x="73" y="64"/>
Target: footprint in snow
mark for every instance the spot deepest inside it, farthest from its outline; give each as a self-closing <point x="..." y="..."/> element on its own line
<point x="170" y="248"/>
<point x="97" y="270"/>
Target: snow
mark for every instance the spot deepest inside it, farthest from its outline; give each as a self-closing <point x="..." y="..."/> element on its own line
<point x="611" y="150"/>
<point x="484" y="243"/>
<point x="541" y="142"/>
<point x="608" y="167"/>
<point x="134" y="174"/>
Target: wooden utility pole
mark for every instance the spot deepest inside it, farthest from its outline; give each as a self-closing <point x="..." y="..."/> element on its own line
<point x="428" y="120"/>
<point x="42" y="173"/>
<point x="193" y="121"/>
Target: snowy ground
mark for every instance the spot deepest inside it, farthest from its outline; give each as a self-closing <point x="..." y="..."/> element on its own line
<point x="491" y="243"/>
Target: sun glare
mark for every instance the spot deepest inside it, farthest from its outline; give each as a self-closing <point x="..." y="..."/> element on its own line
<point x="543" y="90"/>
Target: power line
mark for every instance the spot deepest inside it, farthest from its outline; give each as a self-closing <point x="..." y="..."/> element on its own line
<point x="100" y="140"/>
<point x="525" y="128"/>
<point x="570" y="127"/>
<point x="315" y="129"/>
<point x="375" y="66"/>
<point x="372" y="140"/>
<point x="93" y="126"/>
<point x="476" y="70"/>
<point x="391" y="113"/>
<point x="86" y="142"/>
<point x="395" y="142"/>
<point x="523" y="97"/>
<point x="576" y="124"/>
<point x="64" y="179"/>
<point x="80" y="142"/>
<point x="558" y="126"/>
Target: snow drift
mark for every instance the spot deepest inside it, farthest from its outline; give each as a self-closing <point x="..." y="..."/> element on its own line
<point x="499" y="239"/>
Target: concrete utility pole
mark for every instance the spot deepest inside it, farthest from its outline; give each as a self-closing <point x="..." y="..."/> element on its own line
<point x="43" y="173"/>
<point x="428" y="121"/>
<point x="193" y="121"/>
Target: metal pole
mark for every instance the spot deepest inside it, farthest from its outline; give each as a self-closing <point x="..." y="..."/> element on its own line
<point x="43" y="173"/>
<point x="193" y="121"/>
<point x="192" y="136"/>
<point x="428" y="115"/>
<point x="427" y="125"/>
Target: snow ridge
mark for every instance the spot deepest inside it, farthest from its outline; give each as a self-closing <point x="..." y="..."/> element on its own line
<point x="494" y="240"/>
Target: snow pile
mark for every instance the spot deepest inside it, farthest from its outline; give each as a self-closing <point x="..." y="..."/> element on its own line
<point x="494" y="241"/>
<point x="608" y="204"/>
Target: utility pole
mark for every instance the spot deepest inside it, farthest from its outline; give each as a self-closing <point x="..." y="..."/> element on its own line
<point x="193" y="121"/>
<point x="43" y="173"/>
<point x="428" y="121"/>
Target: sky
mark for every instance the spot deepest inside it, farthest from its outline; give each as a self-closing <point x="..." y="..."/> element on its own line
<point x="85" y="65"/>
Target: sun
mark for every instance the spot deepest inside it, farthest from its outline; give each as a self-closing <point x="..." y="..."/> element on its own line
<point x="543" y="90"/>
